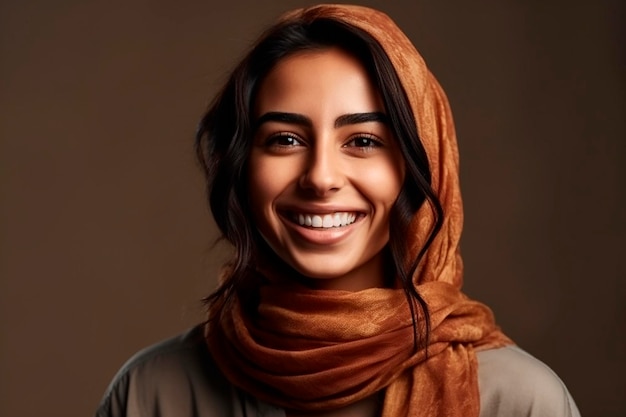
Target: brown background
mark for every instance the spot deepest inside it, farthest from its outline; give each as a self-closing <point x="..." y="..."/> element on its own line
<point x="106" y="242"/>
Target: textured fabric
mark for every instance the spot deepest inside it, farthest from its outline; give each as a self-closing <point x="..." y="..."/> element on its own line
<point x="320" y="350"/>
<point x="179" y="378"/>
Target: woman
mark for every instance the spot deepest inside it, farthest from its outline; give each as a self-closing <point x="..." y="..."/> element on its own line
<point x="332" y="169"/>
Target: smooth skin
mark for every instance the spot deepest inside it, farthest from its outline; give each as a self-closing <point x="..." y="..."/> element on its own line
<point x="324" y="169"/>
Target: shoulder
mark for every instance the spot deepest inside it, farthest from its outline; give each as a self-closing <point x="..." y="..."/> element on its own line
<point x="164" y="378"/>
<point x="179" y="354"/>
<point x="514" y="383"/>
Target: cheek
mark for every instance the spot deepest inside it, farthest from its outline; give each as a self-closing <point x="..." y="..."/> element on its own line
<point x="383" y="183"/>
<point x="267" y="181"/>
<point x="261" y="186"/>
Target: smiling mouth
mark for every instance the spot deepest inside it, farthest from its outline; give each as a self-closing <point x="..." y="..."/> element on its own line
<point x="324" y="221"/>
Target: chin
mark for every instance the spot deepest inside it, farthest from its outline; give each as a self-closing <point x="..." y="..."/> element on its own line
<point x="348" y="277"/>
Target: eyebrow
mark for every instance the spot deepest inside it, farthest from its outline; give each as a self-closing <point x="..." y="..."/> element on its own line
<point x="356" y="118"/>
<point x="302" y="120"/>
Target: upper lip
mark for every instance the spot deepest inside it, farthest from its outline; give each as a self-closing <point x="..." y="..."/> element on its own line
<point x="319" y="209"/>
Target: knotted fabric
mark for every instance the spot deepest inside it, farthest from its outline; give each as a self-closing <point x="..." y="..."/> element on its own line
<point x="318" y="350"/>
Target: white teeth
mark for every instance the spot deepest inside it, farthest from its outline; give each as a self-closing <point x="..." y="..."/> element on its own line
<point x="328" y="222"/>
<point x="325" y="221"/>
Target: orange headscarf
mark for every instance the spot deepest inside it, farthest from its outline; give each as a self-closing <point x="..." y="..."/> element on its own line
<point x="320" y="350"/>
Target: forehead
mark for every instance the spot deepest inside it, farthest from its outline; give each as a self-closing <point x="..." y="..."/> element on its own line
<point x="319" y="78"/>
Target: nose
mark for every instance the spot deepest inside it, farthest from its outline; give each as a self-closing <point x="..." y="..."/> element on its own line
<point x="323" y="173"/>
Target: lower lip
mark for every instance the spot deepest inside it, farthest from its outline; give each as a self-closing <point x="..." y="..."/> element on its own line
<point x="321" y="236"/>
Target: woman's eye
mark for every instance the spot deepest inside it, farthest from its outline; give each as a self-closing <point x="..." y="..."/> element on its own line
<point x="363" y="142"/>
<point x="284" y="140"/>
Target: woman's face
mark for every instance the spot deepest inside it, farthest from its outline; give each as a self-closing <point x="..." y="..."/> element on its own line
<point x="324" y="169"/>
